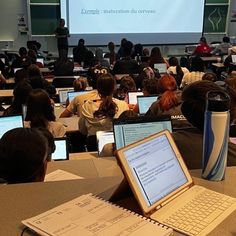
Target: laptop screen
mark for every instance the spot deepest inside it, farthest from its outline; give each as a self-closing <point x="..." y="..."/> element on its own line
<point x="3" y="60"/>
<point x="103" y="138"/>
<point x="72" y="95"/>
<point x="63" y="95"/>
<point x="40" y="60"/>
<point x="144" y="102"/>
<point x="130" y="131"/>
<point x="233" y="58"/>
<point x="132" y="96"/>
<point x="155" y="168"/>
<point x="161" y="67"/>
<point x="10" y="122"/>
<point x="61" y="152"/>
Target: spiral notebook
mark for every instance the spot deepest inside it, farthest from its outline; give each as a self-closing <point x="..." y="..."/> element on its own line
<point x="90" y="215"/>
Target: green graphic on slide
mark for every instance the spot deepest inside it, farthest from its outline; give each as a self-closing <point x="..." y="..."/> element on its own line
<point x="215" y="18"/>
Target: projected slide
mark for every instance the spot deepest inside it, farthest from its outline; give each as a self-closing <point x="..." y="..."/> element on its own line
<point x="111" y="17"/>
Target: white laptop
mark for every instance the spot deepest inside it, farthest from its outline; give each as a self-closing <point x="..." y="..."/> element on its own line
<point x="3" y="60"/>
<point x="132" y="96"/>
<point x="161" y="67"/>
<point x="10" y="122"/>
<point x="144" y="103"/>
<point x="72" y="95"/>
<point x="16" y="69"/>
<point x="61" y="152"/>
<point x="40" y="60"/>
<point x="103" y="138"/>
<point x="165" y="190"/>
<point x="233" y="58"/>
<point x="131" y="130"/>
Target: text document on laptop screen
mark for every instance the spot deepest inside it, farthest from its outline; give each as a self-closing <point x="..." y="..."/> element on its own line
<point x="156" y="169"/>
<point x="60" y="152"/>
<point x="166" y="21"/>
<point x="126" y="134"/>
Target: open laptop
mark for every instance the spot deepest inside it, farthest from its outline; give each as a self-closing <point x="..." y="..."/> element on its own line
<point x="63" y="95"/>
<point x="161" y="67"/>
<point x="165" y="190"/>
<point x="144" y="102"/>
<point x="132" y="96"/>
<point x="130" y="131"/>
<point x="10" y="122"/>
<point x="233" y="58"/>
<point x="103" y="138"/>
<point x="40" y="60"/>
<point x="61" y="152"/>
<point x="3" y="60"/>
<point x="72" y="95"/>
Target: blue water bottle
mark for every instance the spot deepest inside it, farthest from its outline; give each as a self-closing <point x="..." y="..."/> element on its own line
<point x="216" y="135"/>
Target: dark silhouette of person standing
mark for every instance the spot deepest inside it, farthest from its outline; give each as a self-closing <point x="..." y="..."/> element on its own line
<point x="62" y="34"/>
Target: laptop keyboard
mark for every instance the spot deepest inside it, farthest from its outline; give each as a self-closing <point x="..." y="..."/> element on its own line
<point x="197" y="214"/>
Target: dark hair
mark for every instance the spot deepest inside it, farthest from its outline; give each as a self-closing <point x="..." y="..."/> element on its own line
<point x="128" y="115"/>
<point x="105" y="86"/>
<point x="194" y="101"/>
<point x="127" y="84"/>
<point x="33" y="70"/>
<point x="197" y="64"/>
<point x="226" y="39"/>
<point x="21" y="93"/>
<point x="111" y="46"/>
<point x="23" y="51"/>
<point x="80" y="84"/>
<point x="173" y="61"/>
<point x="128" y="46"/>
<point x="23" y="155"/>
<point x="203" y="40"/>
<point x="39" y="109"/>
<point x="209" y="76"/>
<point x="167" y="87"/>
<point x="155" y="56"/>
<point x="150" y="85"/>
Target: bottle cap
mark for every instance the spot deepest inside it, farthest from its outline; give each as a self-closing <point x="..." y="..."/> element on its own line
<point x="217" y="101"/>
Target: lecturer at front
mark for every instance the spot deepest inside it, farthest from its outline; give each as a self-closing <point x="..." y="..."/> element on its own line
<point x="62" y="34"/>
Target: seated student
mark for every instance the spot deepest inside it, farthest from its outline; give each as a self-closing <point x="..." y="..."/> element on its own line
<point x="36" y="80"/>
<point x="126" y="84"/>
<point x="99" y="58"/>
<point x="228" y="60"/>
<point x="169" y="102"/>
<point x="197" y="71"/>
<point x="24" y="154"/>
<point x="149" y="88"/>
<point x="222" y="49"/>
<point x="156" y="57"/>
<point x="97" y="114"/>
<point x="63" y="66"/>
<point x="126" y="65"/>
<point x="203" y="49"/>
<point x="40" y="114"/>
<point x="190" y="141"/>
<point x="111" y="55"/>
<point x="75" y="106"/>
<point x="20" y="93"/>
<point x="176" y="70"/>
<point x="19" y="62"/>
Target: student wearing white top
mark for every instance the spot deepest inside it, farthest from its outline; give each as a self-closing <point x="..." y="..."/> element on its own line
<point x="197" y="71"/>
<point x="97" y="115"/>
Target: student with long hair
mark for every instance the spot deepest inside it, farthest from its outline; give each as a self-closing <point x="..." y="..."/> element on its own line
<point x="169" y="102"/>
<point x="156" y="57"/>
<point x="97" y="115"/>
<point x="40" y="113"/>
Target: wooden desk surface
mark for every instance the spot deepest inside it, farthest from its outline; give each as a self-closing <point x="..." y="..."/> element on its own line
<point x="6" y="92"/>
<point x="211" y="59"/>
<point x="103" y="177"/>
